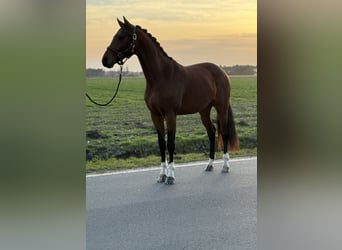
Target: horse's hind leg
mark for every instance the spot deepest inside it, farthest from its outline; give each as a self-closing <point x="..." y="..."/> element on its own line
<point x="223" y="120"/>
<point x="171" y="135"/>
<point x="205" y="117"/>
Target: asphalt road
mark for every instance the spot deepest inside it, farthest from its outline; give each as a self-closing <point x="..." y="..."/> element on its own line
<point x="203" y="210"/>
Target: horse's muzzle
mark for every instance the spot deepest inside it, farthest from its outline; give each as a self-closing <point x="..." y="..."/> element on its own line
<point x="107" y="62"/>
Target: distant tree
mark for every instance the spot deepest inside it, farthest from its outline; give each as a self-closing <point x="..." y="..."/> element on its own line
<point x="100" y="72"/>
<point x="112" y="73"/>
<point x="94" y="72"/>
<point x="240" y="69"/>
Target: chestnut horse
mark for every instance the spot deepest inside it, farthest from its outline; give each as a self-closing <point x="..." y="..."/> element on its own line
<point x="173" y="89"/>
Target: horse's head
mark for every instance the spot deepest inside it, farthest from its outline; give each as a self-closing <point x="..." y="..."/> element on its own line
<point x="122" y="45"/>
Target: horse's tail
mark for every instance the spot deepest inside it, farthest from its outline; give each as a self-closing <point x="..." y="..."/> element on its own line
<point x="233" y="139"/>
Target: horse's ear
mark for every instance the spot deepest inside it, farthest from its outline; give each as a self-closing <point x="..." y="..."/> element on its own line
<point x="120" y="23"/>
<point x="126" y="21"/>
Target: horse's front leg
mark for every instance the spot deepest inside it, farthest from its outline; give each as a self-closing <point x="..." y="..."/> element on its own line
<point x="158" y="122"/>
<point x="163" y="165"/>
<point x="171" y="135"/>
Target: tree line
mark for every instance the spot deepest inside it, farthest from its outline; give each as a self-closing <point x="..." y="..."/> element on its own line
<point x="110" y="73"/>
<point x="240" y="69"/>
<point x="231" y="70"/>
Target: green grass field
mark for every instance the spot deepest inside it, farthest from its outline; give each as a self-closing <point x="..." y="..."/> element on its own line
<point x="122" y="136"/>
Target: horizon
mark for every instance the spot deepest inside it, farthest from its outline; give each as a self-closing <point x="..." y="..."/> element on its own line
<point x="221" y="32"/>
<point x="124" y="68"/>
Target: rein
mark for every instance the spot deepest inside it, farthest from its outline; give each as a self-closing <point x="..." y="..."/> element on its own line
<point x="113" y="97"/>
<point x="121" y="62"/>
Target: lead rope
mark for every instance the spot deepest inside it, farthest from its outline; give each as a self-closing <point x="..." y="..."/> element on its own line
<point x="121" y="62"/>
<point x="116" y="92"/>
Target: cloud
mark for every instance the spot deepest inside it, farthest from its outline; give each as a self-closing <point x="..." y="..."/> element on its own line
<point x="176" y="11"/>
<point x="192" y="31"/>
<point x="224" y="50"/>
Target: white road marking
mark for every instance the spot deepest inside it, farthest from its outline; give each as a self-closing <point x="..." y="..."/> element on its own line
<point x="176" y="166"/>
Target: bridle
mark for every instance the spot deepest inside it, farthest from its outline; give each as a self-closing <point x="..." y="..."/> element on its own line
<point x="122" y="59"/>
<point x="121" y="54"/>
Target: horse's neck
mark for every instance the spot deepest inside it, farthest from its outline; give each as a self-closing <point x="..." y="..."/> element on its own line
<point x="152" y="60"/>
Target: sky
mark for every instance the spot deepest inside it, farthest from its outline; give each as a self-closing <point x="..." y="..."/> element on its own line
<point x="221" y="32"/>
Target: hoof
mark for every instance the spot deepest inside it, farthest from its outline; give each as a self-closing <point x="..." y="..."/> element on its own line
<point x="209" y="168"/>
<point x="225" y="170"/>
<point x="162" y="178"/>
<point x="170" y="180"/>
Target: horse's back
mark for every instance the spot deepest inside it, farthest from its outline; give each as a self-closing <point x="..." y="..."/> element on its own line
<point x="216" y="72"/>
<point x="212" y="74"/>
<point x="203" y="84"/>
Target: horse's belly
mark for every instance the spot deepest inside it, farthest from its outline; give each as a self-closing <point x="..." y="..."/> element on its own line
<point x="194" y="106"/>
<point x="196" y="100"/>
<point x="181" y="104"/>
<point x="187" y="111"/>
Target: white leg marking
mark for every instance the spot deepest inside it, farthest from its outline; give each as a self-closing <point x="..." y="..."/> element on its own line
<point x="210" y="162"/>
<point x="171" y="170"/>
<point x="163" y="170"/>
<point x="226" y="160"/>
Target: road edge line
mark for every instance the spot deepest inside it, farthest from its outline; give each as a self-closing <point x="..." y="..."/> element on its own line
<point x="191" y="164"/>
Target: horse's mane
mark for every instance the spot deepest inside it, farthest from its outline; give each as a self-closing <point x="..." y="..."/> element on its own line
<point x="155" y="41"/>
